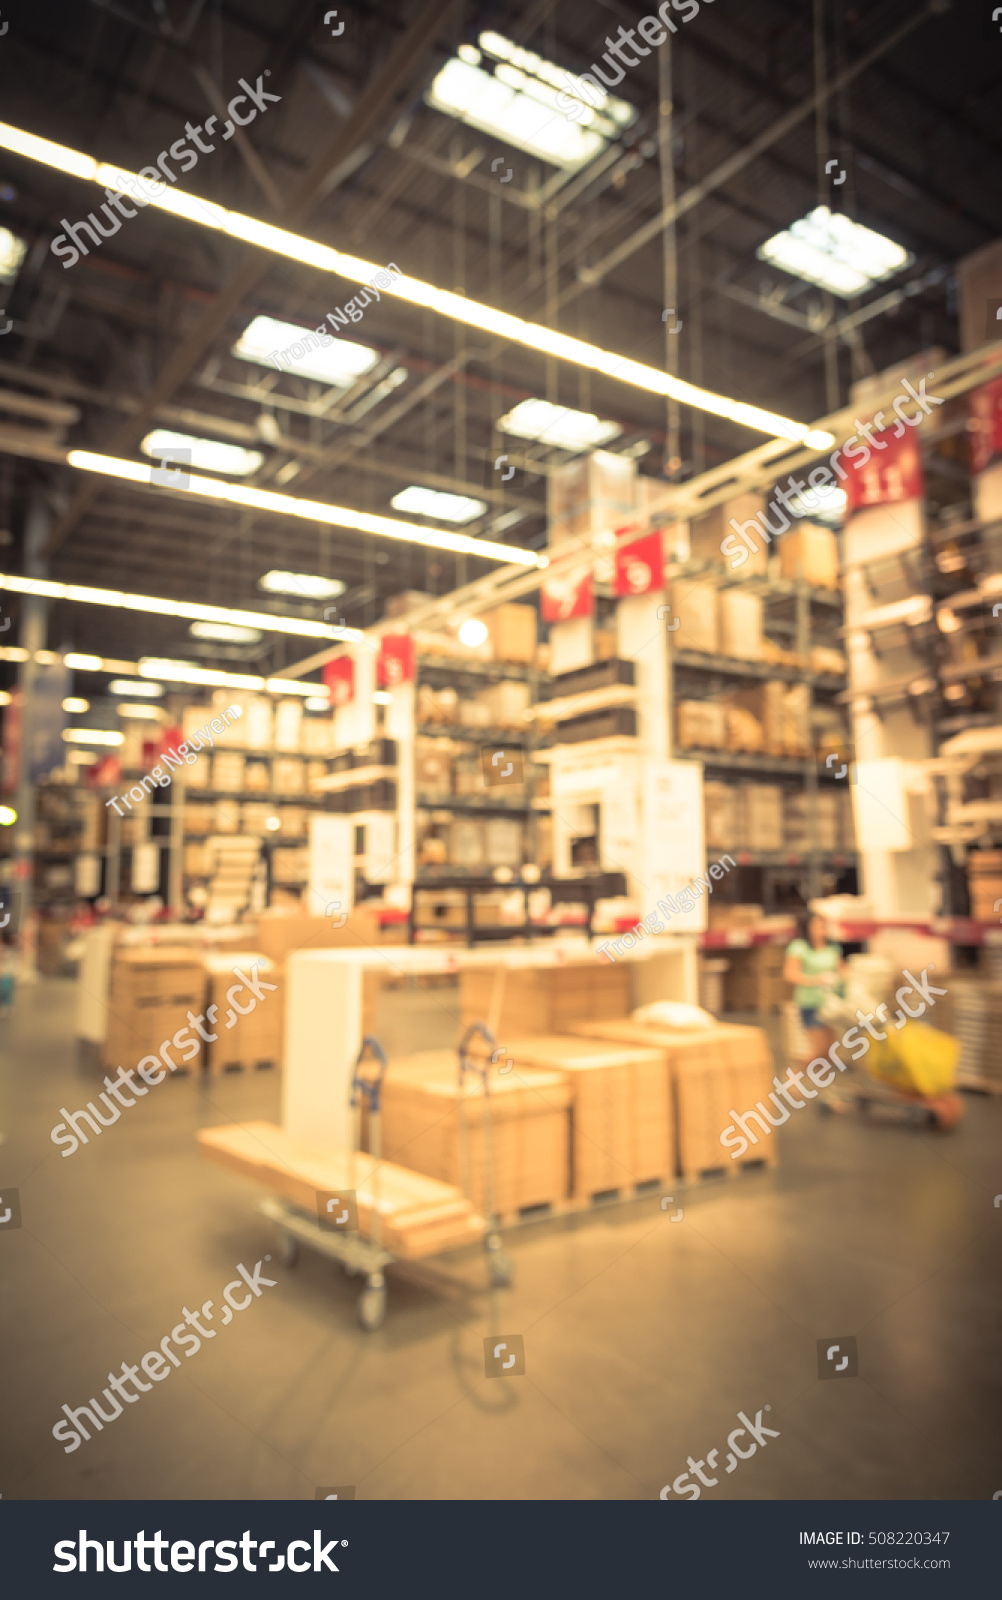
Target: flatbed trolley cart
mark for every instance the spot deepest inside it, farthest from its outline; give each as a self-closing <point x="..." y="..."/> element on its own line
<point x="366" y="1257"/>
<point x="499" y="1264"/>
<point x="863" y="1093"/>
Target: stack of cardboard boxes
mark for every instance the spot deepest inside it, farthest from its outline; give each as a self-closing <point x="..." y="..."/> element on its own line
<point x="545" y="1000"/>
<point x="984" y="881"/>
<point x="150" y="995"/>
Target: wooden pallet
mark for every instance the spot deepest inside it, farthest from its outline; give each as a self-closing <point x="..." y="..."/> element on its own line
<point x="570" y="1205"/>
<point x="732" y="1169"/>
<point x="219" y="1069"/>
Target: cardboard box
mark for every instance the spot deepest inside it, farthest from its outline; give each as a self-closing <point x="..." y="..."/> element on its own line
<point x="150" y="993"/>
<point x="251" y="1042"/>
<point x="761" y="816"/>
<point x="694" y="602"/>
<point x="720" y="816"/>
<point x="754" y="980"/>
<point x="742" y="730"/>
<point x="277" y="935"/>
<point x="740" y="624"/>
<point x="466" y="842"/>
<point x="287" y="775"/>
<point x="507" y="703"/>
<point x="601" y="479"/>
<point x="503" y="847"/>
<point x="810" y="551"/>
<point x="700" y="725"/>
<point x="713" y="1072"/>
<point x="737" y="917"/>
<point x="796" y="720"/>
<point x="620" y="1121"/>
<point x="512" y="632"/>
<point x="766" y="702"/>
<point x="228" y="770"/>
<point x="708" y="532"/>
<point x="422" y="1128"/>
<point x="543" y="1000"/>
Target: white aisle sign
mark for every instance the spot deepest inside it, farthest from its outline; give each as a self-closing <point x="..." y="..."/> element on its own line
<point x="674" y="851"/>
<point x="332" y="874"/>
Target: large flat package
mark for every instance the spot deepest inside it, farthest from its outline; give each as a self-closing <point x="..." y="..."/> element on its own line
<point x="712" y="1072"/>
<point x="432" y="1126"/>
<point x="150" y="993"/>
<point x="419" y="1216"/>
<point x="620" y="1115"/>
<point x="249" y="1033"/>
<point x="276" y="936"/>
<point x="545" y="999"/>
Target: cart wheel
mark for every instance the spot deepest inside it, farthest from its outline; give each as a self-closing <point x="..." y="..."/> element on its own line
<point x="290" y="1250"/>
<point x="502" y="1269"/>
<point x="372" y="1309"/>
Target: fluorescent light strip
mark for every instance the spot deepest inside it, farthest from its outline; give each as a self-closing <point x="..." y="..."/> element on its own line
<point x="174" y="608"/>
<point x="239" y="494"/>
<point x="184" y="672"/>
<point x="486" y="319"/>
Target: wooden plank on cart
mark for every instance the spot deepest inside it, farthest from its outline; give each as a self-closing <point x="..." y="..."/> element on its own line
<point x="420" y="1216"/>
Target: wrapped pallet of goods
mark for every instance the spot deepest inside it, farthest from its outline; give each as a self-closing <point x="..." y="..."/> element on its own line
<point x="620" y="1119"/>
<point x="150" y="994"/>
<point x="434" y="1126"/>
<point x="249" y="1030"/>
<point x="713" y="1072"/>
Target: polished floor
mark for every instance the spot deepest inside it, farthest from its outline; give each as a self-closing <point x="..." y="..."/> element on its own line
<point x="643" y="1339"/>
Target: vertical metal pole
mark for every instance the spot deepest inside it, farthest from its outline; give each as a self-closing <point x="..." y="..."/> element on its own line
<point x="34" y="616"/>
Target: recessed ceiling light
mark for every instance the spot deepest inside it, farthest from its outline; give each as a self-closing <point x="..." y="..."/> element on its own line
<point x="140" y="712"/>
<point x="225" y="632"/>
<point x="558" y="425"/>
<point x="382" y="697"/>
<point x="134" y="686"/>
<point x="304" y="585"/>
<point x="435" y="503"/>
<point x="514" y="96"/>
<point x="12" y="252"/>
<point x="829" y="249"/>
<point x="472" y="632"/>
<point x="80" y="663"/>
<point x="74" y="706"/>
<point x="317" y="703"/>
<point x="93" y="736"/>
<point x="339" y="365"/>
<point x="273" y="824"/>
<point x="208" y="455"/>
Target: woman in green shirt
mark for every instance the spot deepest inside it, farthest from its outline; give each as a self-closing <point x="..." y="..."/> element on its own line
<point x="814" y="967"/>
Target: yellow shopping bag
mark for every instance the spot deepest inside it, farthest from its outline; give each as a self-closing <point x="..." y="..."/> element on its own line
<point x="918" y="1060"/>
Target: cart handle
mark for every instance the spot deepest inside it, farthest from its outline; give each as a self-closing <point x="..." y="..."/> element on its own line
<point x="465" y="1063"/>
<point x="369" y="1087"/>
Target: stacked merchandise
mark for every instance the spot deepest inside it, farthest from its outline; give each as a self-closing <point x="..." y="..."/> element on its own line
<point x="544" y="1000"/>
<point x="584" y="702"/>
<point x="754" y="980"/>
<point x="766" y="817"/>
<point x="233" y="867"/>
<point x="972" y="1012"/>
<point x="984" y="881"/>
<point x="620" y="1121"/>
<point x="251" y="1040"/>
<point x="151" y="992"/>
<point x="769" y="718"/>
<point x="439" y="1128"/>
<point x="712" y="1072"/>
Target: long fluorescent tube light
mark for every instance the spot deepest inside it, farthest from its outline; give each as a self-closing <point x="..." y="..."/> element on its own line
<point x="92" y="736"/>
<point x="339" y="364"/>
<point x="558" y="425"/>
<point x="209" y="454"/>
<point x="302" y="585"/>
<point x="241" y="494"/>
<point x="421" y="502"/>
<point x="829" y="249"/>
<point x="486" y="319"/>
<point x="185" y="672"/>
<point x="172" y="608"/>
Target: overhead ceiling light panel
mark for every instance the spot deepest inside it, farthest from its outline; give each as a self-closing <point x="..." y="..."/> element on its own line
<point x="208" y="455"/>
<point x="75" y="706"/>
<point x="269" y="342"/>
<point x="304" y="585"/>
<point x="558" y="425"/>
<point x="514" y="97"/>
<point x="225" y="632"/>
<point x="435" y="503"/>
<point x="829" y="249"/>
<point x="12" y="252"/>
<point x="138" y="711"/>
<point x="134" y="686"/>
<point x="93" y="736"/>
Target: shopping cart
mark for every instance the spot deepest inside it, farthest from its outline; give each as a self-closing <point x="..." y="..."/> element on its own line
<point x="365" y="1257"/>
<point x="908" y="1077"/>
<point x="499" y="1264"/>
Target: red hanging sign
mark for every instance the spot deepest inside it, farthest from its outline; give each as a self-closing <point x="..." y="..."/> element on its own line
<point x="985" y="424"/>
<point x="639" y="566"/>
<point x="339" y="676"/>
<point x="396" y="663"/>
<point x="567" y="595"/>
<point x="883" y="472"/>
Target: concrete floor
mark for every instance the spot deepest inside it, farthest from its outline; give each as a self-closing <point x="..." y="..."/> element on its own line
<point x="643" y="1339"/>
